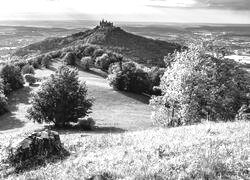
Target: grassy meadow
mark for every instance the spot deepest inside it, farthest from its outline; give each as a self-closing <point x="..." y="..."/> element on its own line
<point x="204" y="151"/>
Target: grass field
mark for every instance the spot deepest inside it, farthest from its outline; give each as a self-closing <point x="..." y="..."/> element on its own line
<point x="126" y="146"/>
<point x="112" y="110"/>
<point x="205" y="151"/>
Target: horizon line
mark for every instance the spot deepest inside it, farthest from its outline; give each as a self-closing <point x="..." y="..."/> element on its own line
<point x="122" y="21"/>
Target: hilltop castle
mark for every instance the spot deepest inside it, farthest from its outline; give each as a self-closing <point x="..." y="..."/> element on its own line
<point x="105" y="24"/>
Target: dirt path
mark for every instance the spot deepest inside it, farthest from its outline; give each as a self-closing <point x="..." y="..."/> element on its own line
<point x="112" y="109"/>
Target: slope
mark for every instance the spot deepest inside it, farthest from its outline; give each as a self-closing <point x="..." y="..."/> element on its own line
<point x="137" y="48"/>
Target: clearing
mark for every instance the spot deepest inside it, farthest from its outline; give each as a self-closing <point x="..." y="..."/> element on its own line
<point x="112" y="110"/>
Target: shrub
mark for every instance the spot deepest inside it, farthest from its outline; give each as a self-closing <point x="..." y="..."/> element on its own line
<point x="129" y="78"/>
<point x="61" y="99"/>
<point x="30" y="78"/>
<point x="70" y="58"/>
<point x="86" y="63"/>
<point x="28" y="69"/>
<point x="198" y="86"/>
<point x="86" y="124"/>
<point x="3" y="99"/>
<point x="12" y="78"/>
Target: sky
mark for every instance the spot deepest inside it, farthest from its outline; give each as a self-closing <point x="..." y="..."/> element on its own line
<point x="183" y="11"/>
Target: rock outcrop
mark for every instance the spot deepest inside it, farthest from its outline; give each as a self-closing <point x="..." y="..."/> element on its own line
<point x="36" y="149"/>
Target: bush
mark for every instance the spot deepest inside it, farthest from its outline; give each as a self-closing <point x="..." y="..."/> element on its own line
<point x="61" y="99"/>
<point x="86" y="63"/>
<point x="70" y="59"/>
<point x="12" y="78"/>
<point x="3" y="99"/>
<point x="28" y="69"/>
<point x="30" y="78"/>
<point x="86" y="124"/>
<point x="198" y="86"/>
<point x="129" y="78"/>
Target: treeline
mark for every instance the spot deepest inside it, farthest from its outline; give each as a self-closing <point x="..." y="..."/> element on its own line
<point x="123" y="74"/>
<point x="197" y="86"/>
<point x="193" y="86"/>
<point x="13" y="77"/>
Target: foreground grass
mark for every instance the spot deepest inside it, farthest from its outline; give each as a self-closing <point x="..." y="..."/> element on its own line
<point x="205" y="151"/>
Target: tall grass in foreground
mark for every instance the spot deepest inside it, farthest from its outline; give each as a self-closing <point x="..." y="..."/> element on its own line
<point x="205" y="151"/>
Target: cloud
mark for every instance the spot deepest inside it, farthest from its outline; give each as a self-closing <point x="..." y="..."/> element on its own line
<point x="203" y="4"/>
<point x="225" y="4"/>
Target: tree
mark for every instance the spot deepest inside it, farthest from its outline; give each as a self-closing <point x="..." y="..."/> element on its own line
<point x="30" y="78"/>
<point x="46" y="60"/>
<point x="103" y="62"/>
<point x="28" y="69"/>
<point x="70" y="58"/>
<point x="3" y="99"/>
<point x="86" y="63"/>
<point x="129" y="78"/>
<point x="12" y="78"/>
<point x="198" y="86"/>
<point x="61" y="99"/>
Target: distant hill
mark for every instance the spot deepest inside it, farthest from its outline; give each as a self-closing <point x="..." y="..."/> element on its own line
<point x="137" y="48"/>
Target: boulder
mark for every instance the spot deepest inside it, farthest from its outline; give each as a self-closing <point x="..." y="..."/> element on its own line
<point x="37" y="147"/>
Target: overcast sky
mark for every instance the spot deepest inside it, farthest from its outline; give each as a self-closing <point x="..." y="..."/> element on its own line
<point x="206" y="11"/>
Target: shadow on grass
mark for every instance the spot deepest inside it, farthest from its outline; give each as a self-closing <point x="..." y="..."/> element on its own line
<point x="74" y="129"/>
<point x="93" y="71"/>
<point x="10" y="120"/>
<point x="33" y="164"/>
<point x="35" y="85"/>
<point x="52" y="68"/>
<point x="139" y="97"/>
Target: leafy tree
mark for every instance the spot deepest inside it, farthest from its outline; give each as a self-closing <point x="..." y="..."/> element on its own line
<point x="12" y="78"/>
<point x="103" y="62"/>
<point x="155" y="74"/>
<point x="20" y="63"/>
<point x="28" y="69"/>
<point x="61" y="99"/>
<point x="3" y="99"/>
<point x="89" y="50"/>
<point x="30" y="78"/>
<point x="70" y="58"/>
<point x="46" y="59"/>
<point x="129" y="78"/>
<point x="86" y="63"/>
<point x="198" y="86"/>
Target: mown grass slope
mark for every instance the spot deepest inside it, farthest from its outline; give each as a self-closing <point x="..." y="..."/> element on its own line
<point x="204" y="151"/>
